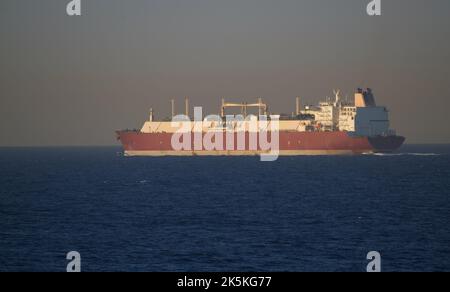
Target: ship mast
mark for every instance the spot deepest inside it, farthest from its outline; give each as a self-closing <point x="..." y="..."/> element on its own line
<point x="186" y="105"/>
<point x="173" y="107"/>
<point x="297" y="106"/>
<point x="262" y="107"/>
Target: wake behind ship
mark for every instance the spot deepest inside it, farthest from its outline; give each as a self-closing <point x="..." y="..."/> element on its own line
<point x="333" y="127"/>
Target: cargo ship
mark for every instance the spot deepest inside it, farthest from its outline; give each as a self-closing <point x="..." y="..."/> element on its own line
<point x="333" y="127"/>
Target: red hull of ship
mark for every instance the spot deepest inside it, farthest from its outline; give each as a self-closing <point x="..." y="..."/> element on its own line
<point x="290" y="143"/>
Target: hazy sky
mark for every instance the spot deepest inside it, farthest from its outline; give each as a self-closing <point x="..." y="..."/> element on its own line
<point x="74" y="80"/>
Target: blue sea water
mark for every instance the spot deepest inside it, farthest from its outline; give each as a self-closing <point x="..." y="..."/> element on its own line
<point x="223" y="213"/>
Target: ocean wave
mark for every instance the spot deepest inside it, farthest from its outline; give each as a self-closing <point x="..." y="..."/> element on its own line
<point x="405" y="154"/>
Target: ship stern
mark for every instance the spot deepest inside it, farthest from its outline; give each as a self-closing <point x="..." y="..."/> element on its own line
<point x="386" y="144"/>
